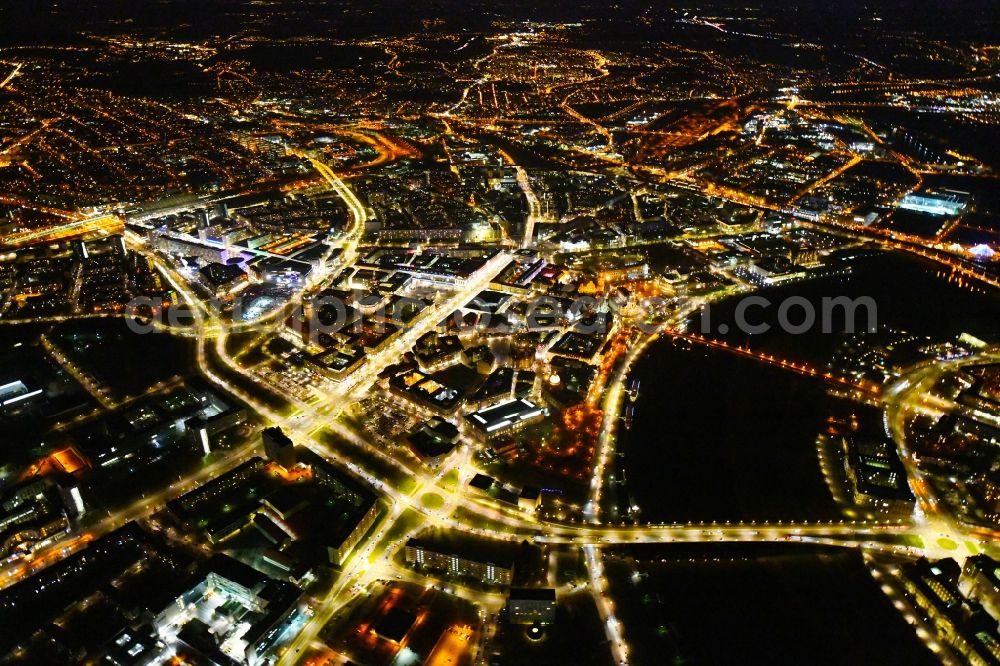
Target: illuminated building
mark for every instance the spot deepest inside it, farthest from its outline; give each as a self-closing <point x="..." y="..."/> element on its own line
<point x="433" y="440"/>
<point x="339" y="361"/>
<point x="134" y="647"/>
<point x="197" y="431"/>
<point x="531" y="605"/>
<point x="254" y="614"/>
<point x="435" y="352"/>
<point x="16" y="394"/>
<point x="457" y="561"/>
<point x="877" y="475"/>
<point x="959" y="622"/>
<point x="427" y="391"/>
<point x="201" y="430"/>
<point x="188" y="248"/>
<point x="317" y="505"/>
<point x="281" y="271"/>
<point x="32" y="607"/>
<point x="944" y="202"/>
<point x="770" y="270"/>
<point x="36" y="510"/>
<point x="188" y="507"/>
<point x="225" y="420"/>
<point x="505" y="418"/>
<point x="359" y="507"/>
<point x="980" y="580"/>
<point x="528" y="498"/>
<point x="627" y="273"/>
<point x="222" y="279"/>
<point x="69" y="489"/>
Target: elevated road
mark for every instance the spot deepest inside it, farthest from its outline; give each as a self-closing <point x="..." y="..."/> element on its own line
<point x="100" y="224"/>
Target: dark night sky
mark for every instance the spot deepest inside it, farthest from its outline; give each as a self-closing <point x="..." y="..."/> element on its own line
<point x="27" y="22"/>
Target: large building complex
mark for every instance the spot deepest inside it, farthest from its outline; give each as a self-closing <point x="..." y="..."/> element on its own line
<point x="458" y="561"/>
<point x="256" y="609"/>
<point x="323" y="325"/>
<point x="504" y="419"/>
<point x="943" y="202"/>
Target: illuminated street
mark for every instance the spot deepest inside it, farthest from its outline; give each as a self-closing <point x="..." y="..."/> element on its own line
<point x="471" y="336"/>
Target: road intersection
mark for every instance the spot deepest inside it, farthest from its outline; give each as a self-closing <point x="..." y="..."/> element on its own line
<point x="930" y="526"/>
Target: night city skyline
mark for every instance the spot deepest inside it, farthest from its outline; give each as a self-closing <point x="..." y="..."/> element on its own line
<point x="501" y="334"/>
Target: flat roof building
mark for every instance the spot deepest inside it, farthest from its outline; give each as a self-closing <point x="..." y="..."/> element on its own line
<point x="877" y="474"/>
<point x="937" y="202"/>
<point x="531" y="605"/>
<point x="265" y="604"/>
<point x="459" y="561"/>
<point x="221" y="278"/>
<point x="505" y="418"/>
<point x="16" y="394"/>
<point x="433" y="440"/>
<point x="278" y="447"/>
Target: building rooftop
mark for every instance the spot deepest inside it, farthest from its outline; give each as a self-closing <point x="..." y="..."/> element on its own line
<point x="434" y="437"/>
<point x="395" y="624"/>
<point x="218" y="274"/>
<point x="287" y="500"/>
<point x="466" y="549"/>
<point x="504" y="414"/>
<point x="530" y="492"/>
<point x="482" y="482"/>
<point x="533" y="593"/>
